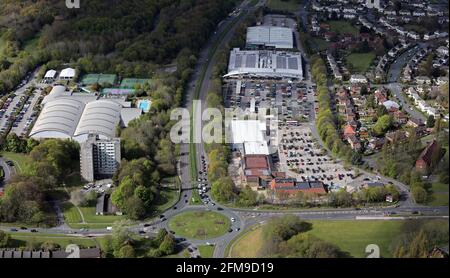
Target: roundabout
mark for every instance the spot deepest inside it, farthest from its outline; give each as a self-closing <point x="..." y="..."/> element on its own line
<point x="199" y="224"/>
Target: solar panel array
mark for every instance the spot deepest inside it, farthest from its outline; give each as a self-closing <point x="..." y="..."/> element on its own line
<point x="238" y="61"/>
<point x="292" y="63"/>
<point x="281" y="62"/>
<point x="250" y="61"/>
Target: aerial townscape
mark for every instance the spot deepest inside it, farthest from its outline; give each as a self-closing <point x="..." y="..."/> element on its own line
<point x="337" y="147"/>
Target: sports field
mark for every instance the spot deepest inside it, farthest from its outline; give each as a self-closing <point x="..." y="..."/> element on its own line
<point x="93" y="78"/>
<point x="132" y="82"/>
<point x="350" y="236"/>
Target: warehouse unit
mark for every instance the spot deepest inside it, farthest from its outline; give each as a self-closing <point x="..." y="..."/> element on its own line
<point x="270" y="37"/>
<point x="265" y="64"/>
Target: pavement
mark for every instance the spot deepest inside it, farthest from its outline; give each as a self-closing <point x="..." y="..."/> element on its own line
<point x="396" y="88"/>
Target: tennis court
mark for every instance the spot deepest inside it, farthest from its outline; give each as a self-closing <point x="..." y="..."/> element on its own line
<point x="117" y="91"/>
<point x="93" y="78"/>
<point x="131" y="82"/>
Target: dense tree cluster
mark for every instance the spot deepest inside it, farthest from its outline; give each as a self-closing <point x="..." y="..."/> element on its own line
<point x="25" y="199"/>
<point x="418" y="237"/>
<point x="137" y="187"/>
<point x="326" y="120"/>
<point x="286" y="237"/>
<point x="126" y="37"/>
<point x="397" y="161"/>
<point x="122" y="244"/>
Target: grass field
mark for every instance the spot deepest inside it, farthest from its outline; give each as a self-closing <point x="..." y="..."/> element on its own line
<point x="168" y="198"/>
<point x="19" y="159"/>
<point x="206" y="251"/>
<point x="21" y="239"/>
<point x="360" y="62"/>
<point x="342" y="27"/>
<point x="74" y="219"/>
<point x="195" y="198"/>
<point x="319" y="44"/>
<point x="248" y="244"/>
<point x="286" y="5"/>
<point x="199" y="224"/>
<point x="440" y="195"/>
<point x="350" y="236"/>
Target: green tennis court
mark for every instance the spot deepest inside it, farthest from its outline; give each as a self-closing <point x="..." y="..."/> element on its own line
<point x="131" y="82"/>
<point x="93" y="78"/>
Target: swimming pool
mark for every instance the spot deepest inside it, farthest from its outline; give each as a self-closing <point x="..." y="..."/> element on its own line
<point x="144" y="105"/>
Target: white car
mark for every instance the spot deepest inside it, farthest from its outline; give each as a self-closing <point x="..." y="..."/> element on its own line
<point x="232" y="219"/>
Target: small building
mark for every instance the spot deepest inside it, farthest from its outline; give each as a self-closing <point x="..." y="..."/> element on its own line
<point x="105" y="206"/>
<point x="423" y="80"/>
<point x="372" y="184"/>
<point x="50" y="75"/>
<point x="390" y="105"/>
<point x="398" y="136"/>
<point x="358" y="78"/>
<point x="291" y="187"/>
<point x="349" y="131"/>
<point x="354" y="142"/>
<point x="67" y="74"/>
<point x="428" y="157"/>
<point x="255" y="166"/>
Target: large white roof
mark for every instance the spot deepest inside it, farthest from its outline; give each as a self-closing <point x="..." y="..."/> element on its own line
<point x="247" y="131"/>
<point x="67" y="73"/>
<point x="58" y="119"/>
<point x="271" y="36"/>
<point x="50" y="74"/>
<point x="76" y="116"/>
<point x="99" y="117"/>
<point x="265" y="63"/>
<point x="256" y="148"/>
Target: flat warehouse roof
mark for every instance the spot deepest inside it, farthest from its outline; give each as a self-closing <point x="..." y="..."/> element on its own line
<point x="270" y="36"/>
<point x="265" y="63"/>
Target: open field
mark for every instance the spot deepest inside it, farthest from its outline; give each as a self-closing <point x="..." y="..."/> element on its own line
<point x="248" y="244"/>
<point x="74" y="219"/>
<point x="440" y="195"/>
<point x="286" y="5"/>
<point x="19" y="159"/>
<point x="360" y="62"/>
<point x="206" y="251"/>
<point x="350" y="236"/>
<point x="342" y="27"/>
<point x="319" y="44"/>
<point x="199" y="224"/>
<point x="22" y="239"/>
<point x="168" y="197"/>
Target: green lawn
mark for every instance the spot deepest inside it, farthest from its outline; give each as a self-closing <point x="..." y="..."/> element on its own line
<point x="284" y="5"/>
<point x="354" y="236"/>
<point x="319" y="44"/>
<point x="440" y="195"/>
<point x="199" y="224"/>
<point x="351" y="236"/>
<point x="195" y="198"/>
<point x="168" y="197"/>
<point x="73" y="217"/>
<point x="206" y="251"/>
<point x="21" y="239"/>
<point x="416" y="28"/>
<point x="342" y="27"/>
<point x="360" y="62"/>
<point x="19" y="160"/>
